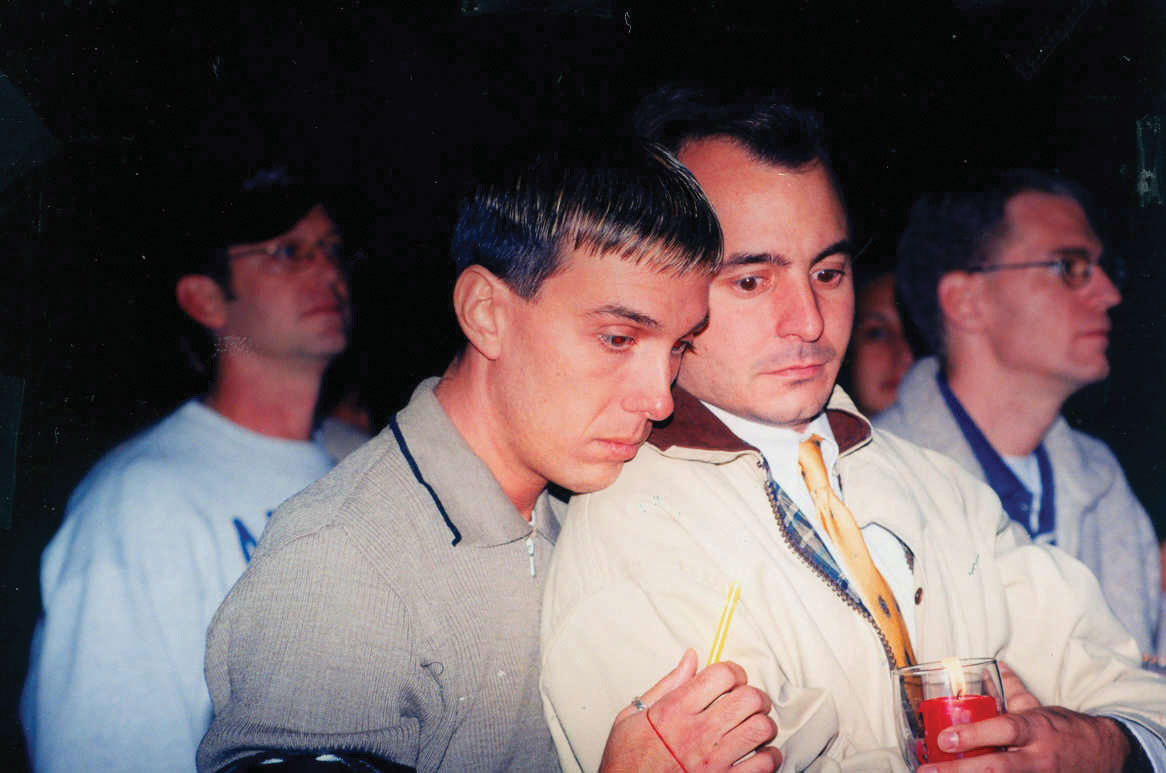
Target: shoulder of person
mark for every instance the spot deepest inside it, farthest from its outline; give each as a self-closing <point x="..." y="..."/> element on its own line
<point x="1093" y="451"/>
<point x="129" y="485"/>
<point x="372" y="497"/>
<point x="891" y="460"/>
<point x="1086" y="464"/>
<point x="637" y="515"/>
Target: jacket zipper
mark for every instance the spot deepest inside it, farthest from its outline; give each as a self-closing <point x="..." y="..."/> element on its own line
<point x="832" y="584"/>
<point x="530" y="541"/>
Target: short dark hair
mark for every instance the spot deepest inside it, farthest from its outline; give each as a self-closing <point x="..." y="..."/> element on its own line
<point x="770" y="127"/>
<point x="960" y="229"/>
<point x="261" y="207"/>
<point x="604" y="194"/>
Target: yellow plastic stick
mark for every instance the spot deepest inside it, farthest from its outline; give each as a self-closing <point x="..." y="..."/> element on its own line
<point x="723" y="626"/>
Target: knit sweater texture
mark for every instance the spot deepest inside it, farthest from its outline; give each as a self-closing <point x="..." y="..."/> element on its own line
<point x="375" y="620"/>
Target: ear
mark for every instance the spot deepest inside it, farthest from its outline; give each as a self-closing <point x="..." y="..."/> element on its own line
<point x="203" y="300"/>
<point x="481" y="301"/>
<point x="960" y="295"/>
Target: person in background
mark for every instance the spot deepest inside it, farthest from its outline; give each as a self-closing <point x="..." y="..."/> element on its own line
<point x="880" y="354"/>
<point x="343" y="414"/>
<point x="163" y="525"/>
<point x="392" y="609"/>
<point x="1008" y="280"/>
<point x="346" y="427"/>
<point x="856" y="551"/>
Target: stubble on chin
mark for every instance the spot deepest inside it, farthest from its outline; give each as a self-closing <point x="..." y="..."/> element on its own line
<point x="793" y="411"/>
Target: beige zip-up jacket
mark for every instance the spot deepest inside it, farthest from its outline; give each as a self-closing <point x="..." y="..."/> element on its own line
<point x="641" y="572"/>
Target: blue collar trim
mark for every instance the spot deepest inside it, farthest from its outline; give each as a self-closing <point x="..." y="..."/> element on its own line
<point x="457" y="535"/>
<point x="1014" y="495"/>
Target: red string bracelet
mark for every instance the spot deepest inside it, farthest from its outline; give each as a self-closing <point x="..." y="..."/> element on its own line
<point x="648" y="716"/>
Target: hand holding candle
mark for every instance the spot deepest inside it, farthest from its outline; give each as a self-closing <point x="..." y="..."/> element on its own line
<point x="935" y="696"/>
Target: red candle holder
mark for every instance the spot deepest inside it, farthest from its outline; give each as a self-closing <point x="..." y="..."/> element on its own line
<point x="931" y="697"/>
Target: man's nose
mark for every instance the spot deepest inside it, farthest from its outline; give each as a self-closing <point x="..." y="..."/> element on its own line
<point x="650" y="392"/>
<point x="797" y="312"/>
<point x="1102" y="289"/>
<point x="328" y="265"/>
<point x="328" y="257"/>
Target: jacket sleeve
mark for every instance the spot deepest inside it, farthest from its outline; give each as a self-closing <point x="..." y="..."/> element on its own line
<point x="281" y="669"/>
<point x="1129" y="569"/>
<point x="1079" y="655"/>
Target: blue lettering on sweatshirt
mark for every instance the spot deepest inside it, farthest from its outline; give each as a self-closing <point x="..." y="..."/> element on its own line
<point x="246" y="541"/>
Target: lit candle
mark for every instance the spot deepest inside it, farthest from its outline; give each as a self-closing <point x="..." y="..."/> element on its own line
<point x="955" y="709"/>
<point x="942" y="713"/>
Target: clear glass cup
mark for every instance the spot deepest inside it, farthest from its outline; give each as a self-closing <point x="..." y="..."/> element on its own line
<point x="930" y="697"/>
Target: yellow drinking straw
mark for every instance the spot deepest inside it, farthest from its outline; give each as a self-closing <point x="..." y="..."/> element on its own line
<point x="723" y="626"/>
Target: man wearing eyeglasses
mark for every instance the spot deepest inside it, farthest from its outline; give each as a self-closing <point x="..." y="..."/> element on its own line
<point x="159" y="530"/>
<point x="1011" y="286"/>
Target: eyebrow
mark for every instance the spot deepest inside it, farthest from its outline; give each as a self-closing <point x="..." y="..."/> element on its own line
<point x="840" y="247"/>
<point x="1073" y="252"/>
<point x="625" y="312"/>
<point x="330" y="234"/>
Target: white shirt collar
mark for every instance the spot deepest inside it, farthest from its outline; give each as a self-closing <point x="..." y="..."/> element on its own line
<point x="779" y="446"/>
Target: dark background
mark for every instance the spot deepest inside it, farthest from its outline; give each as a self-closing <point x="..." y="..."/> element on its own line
<point x="110" y="110"/>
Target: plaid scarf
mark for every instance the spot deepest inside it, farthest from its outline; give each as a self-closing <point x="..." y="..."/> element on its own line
<point x="805" y="540"/>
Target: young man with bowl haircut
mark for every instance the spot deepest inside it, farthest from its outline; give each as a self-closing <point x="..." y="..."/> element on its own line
<point x="393" y="608"/>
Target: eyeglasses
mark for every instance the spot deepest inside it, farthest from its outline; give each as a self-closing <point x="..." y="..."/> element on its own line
<point x="1074" y="267"/>
<point x="291" y="257"/>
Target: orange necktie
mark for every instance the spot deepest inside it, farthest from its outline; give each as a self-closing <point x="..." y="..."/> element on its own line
<point x="839" y="523"/>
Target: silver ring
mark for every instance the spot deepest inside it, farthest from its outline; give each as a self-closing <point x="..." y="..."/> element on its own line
<point x="639" y="704"/>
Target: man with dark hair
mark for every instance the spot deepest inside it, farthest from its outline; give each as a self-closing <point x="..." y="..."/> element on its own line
<point x="392" y="609"/>
<point x="1011" y="286"/>
<point x="159" y="530"/>
<point x="856" y="551"/>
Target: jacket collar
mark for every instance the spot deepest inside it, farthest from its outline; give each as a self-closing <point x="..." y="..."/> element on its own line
<point x="922" y="416"/>
<point x="694" y="426"/>
<point x="1014" y="495"/>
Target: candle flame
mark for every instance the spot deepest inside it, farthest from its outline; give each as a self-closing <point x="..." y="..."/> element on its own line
<point x="955" y="676"/>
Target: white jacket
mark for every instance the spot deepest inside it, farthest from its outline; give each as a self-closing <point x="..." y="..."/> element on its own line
<point x="641" y="571"/>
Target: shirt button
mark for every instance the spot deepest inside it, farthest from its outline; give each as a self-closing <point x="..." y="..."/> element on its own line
<point x="918" y="596"/>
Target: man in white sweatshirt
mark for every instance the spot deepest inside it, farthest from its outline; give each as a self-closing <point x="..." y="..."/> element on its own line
<point x="163" y="525"/>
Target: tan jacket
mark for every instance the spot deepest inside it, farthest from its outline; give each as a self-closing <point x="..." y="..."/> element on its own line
<point x="641" y="571"/>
